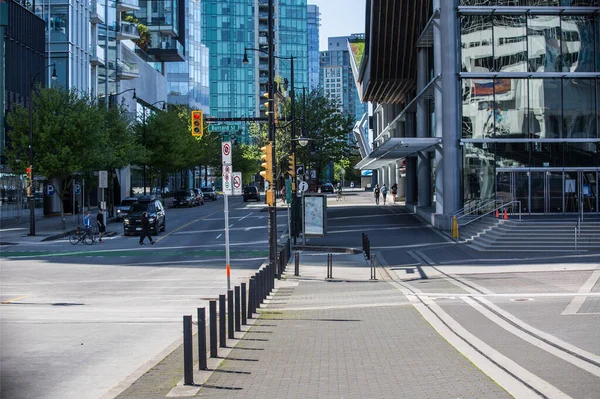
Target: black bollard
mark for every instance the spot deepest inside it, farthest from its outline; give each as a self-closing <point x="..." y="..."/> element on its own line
<point x="251" y="293"/>
<point x="188" y="354"/>
<point x="237" y="310"/>
<point x="202" y="339"/>
<point x="222" y="320"/>
<point x="230" y="316"/>
<point x="212" y="314"/>
<point x="243" y="304"/>
<point x="296" y="263"/>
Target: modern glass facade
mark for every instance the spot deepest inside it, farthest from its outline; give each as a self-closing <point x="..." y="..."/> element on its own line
<point x="313" y="23"/>
<point x="530" y="81"/>
<point x="291" y="39"/>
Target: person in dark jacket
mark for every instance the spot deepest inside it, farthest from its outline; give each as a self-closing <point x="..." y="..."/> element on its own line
<point x="101" y="225"/>
<point x="145" y="229"/>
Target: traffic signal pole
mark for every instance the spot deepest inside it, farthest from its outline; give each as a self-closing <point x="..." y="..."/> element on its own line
<point x="272" y="229"/>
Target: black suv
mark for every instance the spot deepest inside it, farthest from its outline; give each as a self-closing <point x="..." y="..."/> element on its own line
<point x="184" y="198"/>
<point x="251" y="192"/>
<point x="209" y="193"/>
<point x="132" y="223"/>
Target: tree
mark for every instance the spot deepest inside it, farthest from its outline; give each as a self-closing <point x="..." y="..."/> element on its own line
<point x="68" y="136"/>
<point x="319" y="119"/>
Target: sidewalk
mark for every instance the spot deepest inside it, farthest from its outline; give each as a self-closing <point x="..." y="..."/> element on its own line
<point x="47" y="228"/>
<point x="346" y="337"/>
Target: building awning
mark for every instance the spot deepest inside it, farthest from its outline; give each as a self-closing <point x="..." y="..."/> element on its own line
<point x="397" y="148"/>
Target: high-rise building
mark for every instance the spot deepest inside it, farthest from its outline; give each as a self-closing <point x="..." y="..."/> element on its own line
<point x="478" y="101"/>
<point x="337" y="78"/>
<point x="228" y="28"/>
<point x="313" y="24"/>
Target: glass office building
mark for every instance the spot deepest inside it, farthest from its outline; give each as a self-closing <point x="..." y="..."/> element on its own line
<point x="483" y="100"/>
<point x="529" y="82"/>
<point x="313" y="24"/>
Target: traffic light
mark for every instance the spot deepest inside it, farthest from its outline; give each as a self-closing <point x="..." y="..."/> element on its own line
<point x="267" y="173"/>
<point x="292" y="166"/>
<point x="197" y="124"/>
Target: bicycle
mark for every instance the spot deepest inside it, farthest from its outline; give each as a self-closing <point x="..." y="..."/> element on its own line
<point x="80" y="235"/>
<point x="340" y="196"/>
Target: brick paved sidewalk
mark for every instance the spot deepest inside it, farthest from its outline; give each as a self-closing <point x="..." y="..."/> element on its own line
<point x="346" y="338"/>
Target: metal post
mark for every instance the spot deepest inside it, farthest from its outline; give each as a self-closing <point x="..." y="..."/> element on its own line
<point x="251" y="294"/>
<point x="202" y="365"/>
<point x="227" y="259"/>
<point x="293" y="229"/>
<point x="297" y="264"/>
<point x="243" y="304"/>
<point x="230" y="315"/>
<point x="271" y="77"/>
<point x="374" y="268"/>
<point x="188" y="355"/>
<point x="144" y="143"/>
<point x="212" y="310"/>
<point x="237" y="310"/>
<point x="222" y="319"/>
<point x="31" y="191"/>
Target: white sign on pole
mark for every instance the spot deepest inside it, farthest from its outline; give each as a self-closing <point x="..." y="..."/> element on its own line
<point x="237" y="183"/>
<point x="302" y="186"/>
<point x="227" y="180"/>
<point x="103" y="179"/>
<point x="226" y="152"/>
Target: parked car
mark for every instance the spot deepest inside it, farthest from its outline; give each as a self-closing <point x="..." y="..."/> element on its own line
<point x="251" y="192"/>
<point x="327" y="188"/>
<point x="124" y="206"/>
<point x="199" y="196"/>
<point x="209" y="193"/>
<point x="132" y="223"/>
<point x="184" y="198"/>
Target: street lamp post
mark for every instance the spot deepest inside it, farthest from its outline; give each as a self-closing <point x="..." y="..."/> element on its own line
<point x="31" y="190"/>
<point x="144" y="135"/>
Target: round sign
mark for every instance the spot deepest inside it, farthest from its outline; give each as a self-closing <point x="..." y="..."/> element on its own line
<point x="226" y="149"/>
<point x="236" y="182"/>
<point x="227" y="168"/>
<point x="77" y="188"/>
<point x="49" y="189"/>
<point x="303" y="186"/>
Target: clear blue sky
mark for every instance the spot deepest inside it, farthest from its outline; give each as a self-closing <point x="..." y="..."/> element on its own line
<point x="339" y="18"/>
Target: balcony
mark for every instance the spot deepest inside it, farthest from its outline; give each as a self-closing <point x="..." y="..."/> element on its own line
<point x="97" y="55"/>
<point x="128" y="5"/>
<point x="127" y="31"/>
<point x="167" y="49"/>
<point x="128" y="70"/>
<point x="96" y="12"/>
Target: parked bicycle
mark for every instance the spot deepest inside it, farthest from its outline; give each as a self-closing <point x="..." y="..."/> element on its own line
<point x="86" y="236"/>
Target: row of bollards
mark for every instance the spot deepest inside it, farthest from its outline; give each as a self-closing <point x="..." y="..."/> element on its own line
<point x="366" y="246"/>
<point x="234" y="311"/>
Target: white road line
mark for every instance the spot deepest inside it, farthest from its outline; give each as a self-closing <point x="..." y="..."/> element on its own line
<point x="457" y="335"/>
<point x="590" y="368"/>
<point x="578" y="301"/>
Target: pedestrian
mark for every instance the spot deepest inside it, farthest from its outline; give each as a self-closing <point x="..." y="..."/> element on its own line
<point x="384" y="193"/>
<point x="145" y="229"/>
<point x="101" y="225"/>
<point x="394" y="192"/>
<point x="283" y="198"/>
<point x="376" y="193"/>
<point x="87" y="222"/>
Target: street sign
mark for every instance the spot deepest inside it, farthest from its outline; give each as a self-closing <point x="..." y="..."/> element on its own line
<point x="223" y="128"/>
<point x="237" y="183"/>
<point x="302" y="186"/>
<point x="103" y="179"/>
<point x="77" y="188"/>
<point x="227" y="185"/>
<point x="226" y="152"/>
<point x="49" y="190"/>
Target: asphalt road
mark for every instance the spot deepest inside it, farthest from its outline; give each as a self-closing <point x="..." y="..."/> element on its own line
<point x="76" y="320"/>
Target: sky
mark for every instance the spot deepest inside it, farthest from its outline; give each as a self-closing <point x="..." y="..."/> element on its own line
<point x="339" y="18"/>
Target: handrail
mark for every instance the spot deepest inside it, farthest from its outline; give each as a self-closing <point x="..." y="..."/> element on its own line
<point x="483" y="207"/>
<point x="504" y="205"/>
<point x="482" y="203"/>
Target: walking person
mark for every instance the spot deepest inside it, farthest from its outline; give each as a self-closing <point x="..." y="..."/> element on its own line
<point x="87" y="222"/>
<point x="384" y="193"/>
<point x="376" y="193"/>
<point x="145" y="229"/>
<point x="394" y="192"/>
<point x="101" y="225"/>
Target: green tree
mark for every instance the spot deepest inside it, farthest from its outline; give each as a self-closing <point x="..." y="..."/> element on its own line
<point x="68" y="136"/>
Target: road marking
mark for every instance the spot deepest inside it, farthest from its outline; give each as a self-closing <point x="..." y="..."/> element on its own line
<point x="13" y="300"/>
<point x="185" y="225"/>
<point x="525" y="336"/>
<point x="578" y="301"/>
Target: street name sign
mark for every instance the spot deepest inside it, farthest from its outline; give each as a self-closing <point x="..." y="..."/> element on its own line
<point x="223" y="128"/>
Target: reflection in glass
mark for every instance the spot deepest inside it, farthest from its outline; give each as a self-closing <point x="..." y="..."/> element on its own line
<point x="545" y="102"/>
<point x="543" y="40"/>
<point x="478" y="172"/>
<point x="579" y="107"/>
<point x="510" y="43"/>
<point x="578" y="43"/>
<point x="476" y="43"/>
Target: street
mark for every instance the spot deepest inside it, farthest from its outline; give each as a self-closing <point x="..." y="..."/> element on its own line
<point x="78" y="322"/>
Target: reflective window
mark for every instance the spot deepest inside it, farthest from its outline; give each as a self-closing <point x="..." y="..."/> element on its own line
<point x="510" y="43"/>
<point x="578" y="43"/>
<point x="545" y="102"/>
<point x="579" y="108"/>
<point x="544" y="40"/>
<point x="476" y="43"/>
<point x="478" y="171"/>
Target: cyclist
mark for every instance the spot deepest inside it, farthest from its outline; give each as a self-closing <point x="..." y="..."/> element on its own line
<point x="376" y="193"/>
<point x="339" y="191"/>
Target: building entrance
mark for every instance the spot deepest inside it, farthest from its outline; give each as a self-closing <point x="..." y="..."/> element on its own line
<point x="550" y="190"/>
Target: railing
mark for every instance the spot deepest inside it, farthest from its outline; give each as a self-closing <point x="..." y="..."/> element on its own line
<point x="475" y="207"/>
<point x="456" y="224"/>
